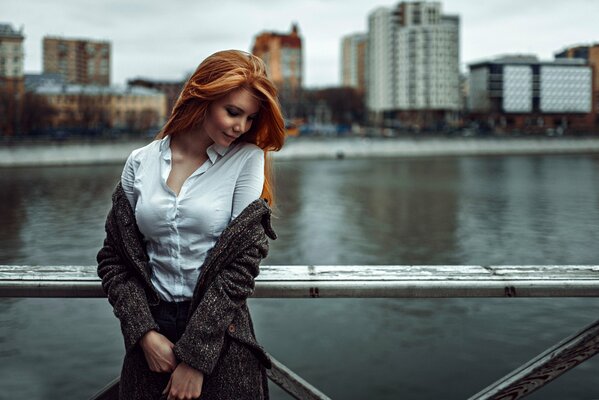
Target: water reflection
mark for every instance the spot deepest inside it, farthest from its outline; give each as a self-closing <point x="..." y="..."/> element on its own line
<point x="56" y="214"/>
<point x="502" y="210"/>
<point x="364" y="212"/>
<point x="528" y="210"/>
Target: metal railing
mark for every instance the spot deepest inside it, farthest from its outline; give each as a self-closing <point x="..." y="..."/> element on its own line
<point x="358" y="281"/>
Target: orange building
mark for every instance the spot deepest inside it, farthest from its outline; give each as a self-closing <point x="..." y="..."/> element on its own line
<point x="282" y="54"/>
<point x="12" y="86"/>
<point x="83" y="62"/>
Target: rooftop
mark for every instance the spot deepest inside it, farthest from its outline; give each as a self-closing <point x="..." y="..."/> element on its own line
<point x="528" y="59"/>
<point x="6" y="30"/>
<point x="93" y="90"/>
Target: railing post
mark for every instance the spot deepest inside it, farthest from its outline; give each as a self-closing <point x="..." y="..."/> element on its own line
<point x="546" y="367"/>
<point x="109" y="392"/>
<point x="279" y="374"/>
<point x="292" y="383"/>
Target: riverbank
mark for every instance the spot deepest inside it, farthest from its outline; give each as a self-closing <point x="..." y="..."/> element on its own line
<point x="116" y="152"/>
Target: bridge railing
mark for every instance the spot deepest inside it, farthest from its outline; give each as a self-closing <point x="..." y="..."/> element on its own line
<point x="368" y="281"/>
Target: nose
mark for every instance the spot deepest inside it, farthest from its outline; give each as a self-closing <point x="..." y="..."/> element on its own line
<point x="239" y="127"/>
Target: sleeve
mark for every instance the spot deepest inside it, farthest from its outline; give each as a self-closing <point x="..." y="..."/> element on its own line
<point x="125" y="293"/>
<point x="128" y="177"/>
<point x="202" y="342"/>
<point x="249" y="182"/>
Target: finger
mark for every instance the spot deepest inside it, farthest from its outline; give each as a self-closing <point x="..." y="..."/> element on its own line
<point x="168" y="386"/>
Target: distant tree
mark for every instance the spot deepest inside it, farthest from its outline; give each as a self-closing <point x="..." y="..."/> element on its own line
<point x="148" y="118"/>
<point x="9" y="114"/>
<point x="37" y="114"/>
<point x="6" y="120"/>
<point x="345" y="104"/>
<point x="131" y="120"/>
<point x="93" y="115"/>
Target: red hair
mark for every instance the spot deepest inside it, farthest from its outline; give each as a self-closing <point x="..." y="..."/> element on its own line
<point x="217" y="76"/>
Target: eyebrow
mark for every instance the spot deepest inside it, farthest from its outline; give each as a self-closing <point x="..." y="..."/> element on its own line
<point x="241" y="109"/>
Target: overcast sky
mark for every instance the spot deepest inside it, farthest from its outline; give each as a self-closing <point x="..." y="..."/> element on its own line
<point x="167" y="39"/>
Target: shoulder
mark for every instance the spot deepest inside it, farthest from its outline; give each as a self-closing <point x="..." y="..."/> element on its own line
<point x="152" y="147"/>
<point x="248" y="149"/>
<point x="138" y="155"/>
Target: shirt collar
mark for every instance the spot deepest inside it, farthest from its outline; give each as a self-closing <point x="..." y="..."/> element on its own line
<point x="214" y="151"/>
<point x="165" y="148"/>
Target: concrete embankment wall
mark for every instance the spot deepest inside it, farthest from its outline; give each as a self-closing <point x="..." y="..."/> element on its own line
<point x="70" y="153"/>
<point x="435" y="147"/>
<point x="66" y="153"/>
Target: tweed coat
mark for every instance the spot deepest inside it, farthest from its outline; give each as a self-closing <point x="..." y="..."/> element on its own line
<point x="219" y="339"/>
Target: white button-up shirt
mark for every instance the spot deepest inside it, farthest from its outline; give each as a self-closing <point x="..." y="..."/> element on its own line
<point x="180" y="230"/>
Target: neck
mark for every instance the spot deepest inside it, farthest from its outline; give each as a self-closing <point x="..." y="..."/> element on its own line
<point x="192" y="142"/>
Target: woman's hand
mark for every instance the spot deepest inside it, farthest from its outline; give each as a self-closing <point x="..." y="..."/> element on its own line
<point x="158" y="351"/>
<point x="185" y="383"/>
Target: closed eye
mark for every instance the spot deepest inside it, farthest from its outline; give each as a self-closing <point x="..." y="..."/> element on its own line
<point x="232" y="112"/>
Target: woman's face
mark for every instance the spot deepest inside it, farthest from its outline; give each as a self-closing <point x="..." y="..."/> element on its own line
<point x="230" y="117"/>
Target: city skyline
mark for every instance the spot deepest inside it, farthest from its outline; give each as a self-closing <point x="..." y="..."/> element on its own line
<point x="165" y="43"/>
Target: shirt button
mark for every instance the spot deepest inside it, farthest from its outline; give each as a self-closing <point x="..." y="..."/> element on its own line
<point x="231" y="328"/>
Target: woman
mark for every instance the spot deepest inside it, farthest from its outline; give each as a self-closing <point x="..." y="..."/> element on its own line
<point x="186" y="233"/>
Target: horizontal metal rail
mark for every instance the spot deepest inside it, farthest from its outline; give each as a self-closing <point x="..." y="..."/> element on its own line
<point x="362" y="281"/>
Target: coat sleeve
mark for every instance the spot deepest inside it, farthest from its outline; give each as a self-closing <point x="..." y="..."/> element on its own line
<point x="125" y="293"/>
<point x="201" y="344"/>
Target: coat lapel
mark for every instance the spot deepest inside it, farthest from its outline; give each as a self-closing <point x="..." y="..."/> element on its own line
<point x="131" y="242"/>
<point x="241" y="233"/>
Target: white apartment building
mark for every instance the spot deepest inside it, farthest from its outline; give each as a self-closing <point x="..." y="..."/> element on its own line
<point x="380" y="64"/>
<point x="523" y="85"/>
<point x="353" y="58"/>
<point x="413" y="59"/>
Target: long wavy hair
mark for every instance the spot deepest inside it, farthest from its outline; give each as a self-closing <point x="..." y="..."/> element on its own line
<point x="217" y="76"/>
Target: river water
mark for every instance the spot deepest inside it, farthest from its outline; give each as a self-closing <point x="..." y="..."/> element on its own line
<point x="458" y="210"/>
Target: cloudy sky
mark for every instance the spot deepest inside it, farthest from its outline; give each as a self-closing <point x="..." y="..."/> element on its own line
<point x="167" y="39"/>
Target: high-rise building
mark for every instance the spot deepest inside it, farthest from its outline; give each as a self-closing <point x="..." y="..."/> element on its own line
<point x="380" y="62"/>
<point x="353" y="59"/>
<point x="12" y="87"/>
<point x="80" y="61"/>
<point x="282" y="54"/>
<point x="523" y="93"/>
<point x="413" y="62"/>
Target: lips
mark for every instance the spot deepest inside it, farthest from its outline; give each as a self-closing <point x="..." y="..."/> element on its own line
<point x="230" y="136"/>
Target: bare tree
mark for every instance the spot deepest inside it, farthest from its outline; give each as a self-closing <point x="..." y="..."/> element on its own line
<point x="37" y="114"/>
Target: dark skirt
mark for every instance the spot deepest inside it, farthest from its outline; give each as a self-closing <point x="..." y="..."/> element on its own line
<point x="238" y="375"/>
